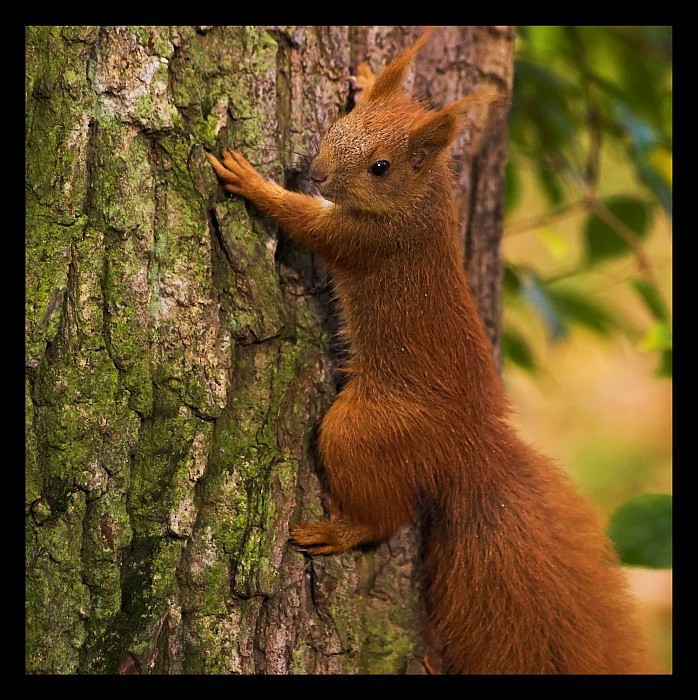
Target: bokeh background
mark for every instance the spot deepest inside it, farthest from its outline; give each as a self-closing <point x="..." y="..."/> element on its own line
<point x="587" y="289"/>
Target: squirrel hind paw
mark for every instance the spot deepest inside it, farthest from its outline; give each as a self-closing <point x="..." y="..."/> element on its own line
<point x="361" y="82"/>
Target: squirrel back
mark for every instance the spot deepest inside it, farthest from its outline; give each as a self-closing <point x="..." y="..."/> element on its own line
<point x="518" y="576"/>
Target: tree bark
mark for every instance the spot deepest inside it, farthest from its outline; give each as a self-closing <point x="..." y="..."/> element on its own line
<point x="179" y="349"/>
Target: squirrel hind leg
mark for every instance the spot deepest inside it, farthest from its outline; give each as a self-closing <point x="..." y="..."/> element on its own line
<point x="327" y="537"/>
<point x="362" y="82"/>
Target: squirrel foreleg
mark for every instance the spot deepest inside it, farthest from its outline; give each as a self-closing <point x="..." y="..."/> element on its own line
<point x="306" y="218"/>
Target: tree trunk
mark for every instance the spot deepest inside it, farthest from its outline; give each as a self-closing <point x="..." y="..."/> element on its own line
<point x="179" y="349"/>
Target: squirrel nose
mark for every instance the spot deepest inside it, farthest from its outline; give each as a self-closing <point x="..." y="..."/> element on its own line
<point x="318" y="172"/>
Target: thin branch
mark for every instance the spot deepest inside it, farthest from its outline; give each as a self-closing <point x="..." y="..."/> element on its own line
<point x="627" y="234"/>
<point x="589" y="204"/>
<point x="545" y="219"/>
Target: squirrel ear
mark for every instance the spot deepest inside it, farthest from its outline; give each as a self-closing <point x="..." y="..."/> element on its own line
<point x="390" y="80"/>
<point x="434" y="132"/>
<point x="430" y="136"/>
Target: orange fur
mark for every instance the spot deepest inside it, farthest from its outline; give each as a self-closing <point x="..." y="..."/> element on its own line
<point x="518" y="576"/>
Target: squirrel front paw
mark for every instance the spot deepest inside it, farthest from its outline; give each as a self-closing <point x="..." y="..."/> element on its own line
<point x="361" y="83"/>
<point x="235" y="172"/>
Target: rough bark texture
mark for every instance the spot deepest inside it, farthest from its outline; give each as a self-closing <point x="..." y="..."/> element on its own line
<point x="179" y="356"/>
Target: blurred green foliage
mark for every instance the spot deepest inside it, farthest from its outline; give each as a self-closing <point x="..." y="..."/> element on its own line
<point x="641" y="531"/>
<point x="584" y="97"/>
<point x="582" y="94"/>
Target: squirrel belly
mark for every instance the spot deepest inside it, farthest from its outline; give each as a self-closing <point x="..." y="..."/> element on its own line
<point x="518" y="576"/>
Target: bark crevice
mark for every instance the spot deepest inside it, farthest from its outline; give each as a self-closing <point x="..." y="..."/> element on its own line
<point x="181" y="351"/>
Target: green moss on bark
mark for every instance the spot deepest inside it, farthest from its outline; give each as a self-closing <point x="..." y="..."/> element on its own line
<point x="252" y="274"/>
<point x="388" y="647"/>
<point x="57" y="601"/>
<point x="177" y="365"/>
<point x="56" y="136"/>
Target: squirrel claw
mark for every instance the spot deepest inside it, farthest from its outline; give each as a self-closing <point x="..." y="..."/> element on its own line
<point x="315" y="539"/>
<point x="235" y="172"/>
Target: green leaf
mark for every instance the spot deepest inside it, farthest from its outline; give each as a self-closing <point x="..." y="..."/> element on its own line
<point x="512" y="186"/>
<point x="539" y="298"/>
<point x="545" y="42"/>
<point x="558" y="307"/>
<point x="511" y="281"/>
<point x="665" y="365"/>
<point x="532" y="74"/>
<point x="556" y="126"/>
<point x="575" y="308"/>
<point x="641" y="80"/>
<point x="644" y="135"/>
<point x="602" y="241"/>
<point x="551" y="185"/>
<point x="650" y="154"/>
<point x="555" y="243"/>
<point x="652" y="298"/>
<point x="523" y="32"/>
<point x="517" y="350"/>
<point x="641" y="531"/>
<point x="661" y="159"/>
<point x="542" y="109"/>
<point x="658" y="337"/>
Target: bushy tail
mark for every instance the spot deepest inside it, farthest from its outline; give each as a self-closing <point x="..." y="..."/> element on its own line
<point x="520" y="579"/>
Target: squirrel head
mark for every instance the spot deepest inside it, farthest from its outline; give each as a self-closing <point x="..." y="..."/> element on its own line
<point x="379" y="158"/>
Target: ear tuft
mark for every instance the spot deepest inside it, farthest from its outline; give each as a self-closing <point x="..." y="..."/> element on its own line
<point x="390" y="80"/>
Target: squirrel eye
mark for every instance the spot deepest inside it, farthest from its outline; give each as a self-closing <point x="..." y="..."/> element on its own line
<point x="380" y="167"/>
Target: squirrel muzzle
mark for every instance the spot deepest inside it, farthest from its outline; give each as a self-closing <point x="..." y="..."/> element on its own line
<point x="318" y="172"/>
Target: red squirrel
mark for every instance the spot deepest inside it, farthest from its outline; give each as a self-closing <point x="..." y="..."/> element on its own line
<point x="518" y="576"/>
